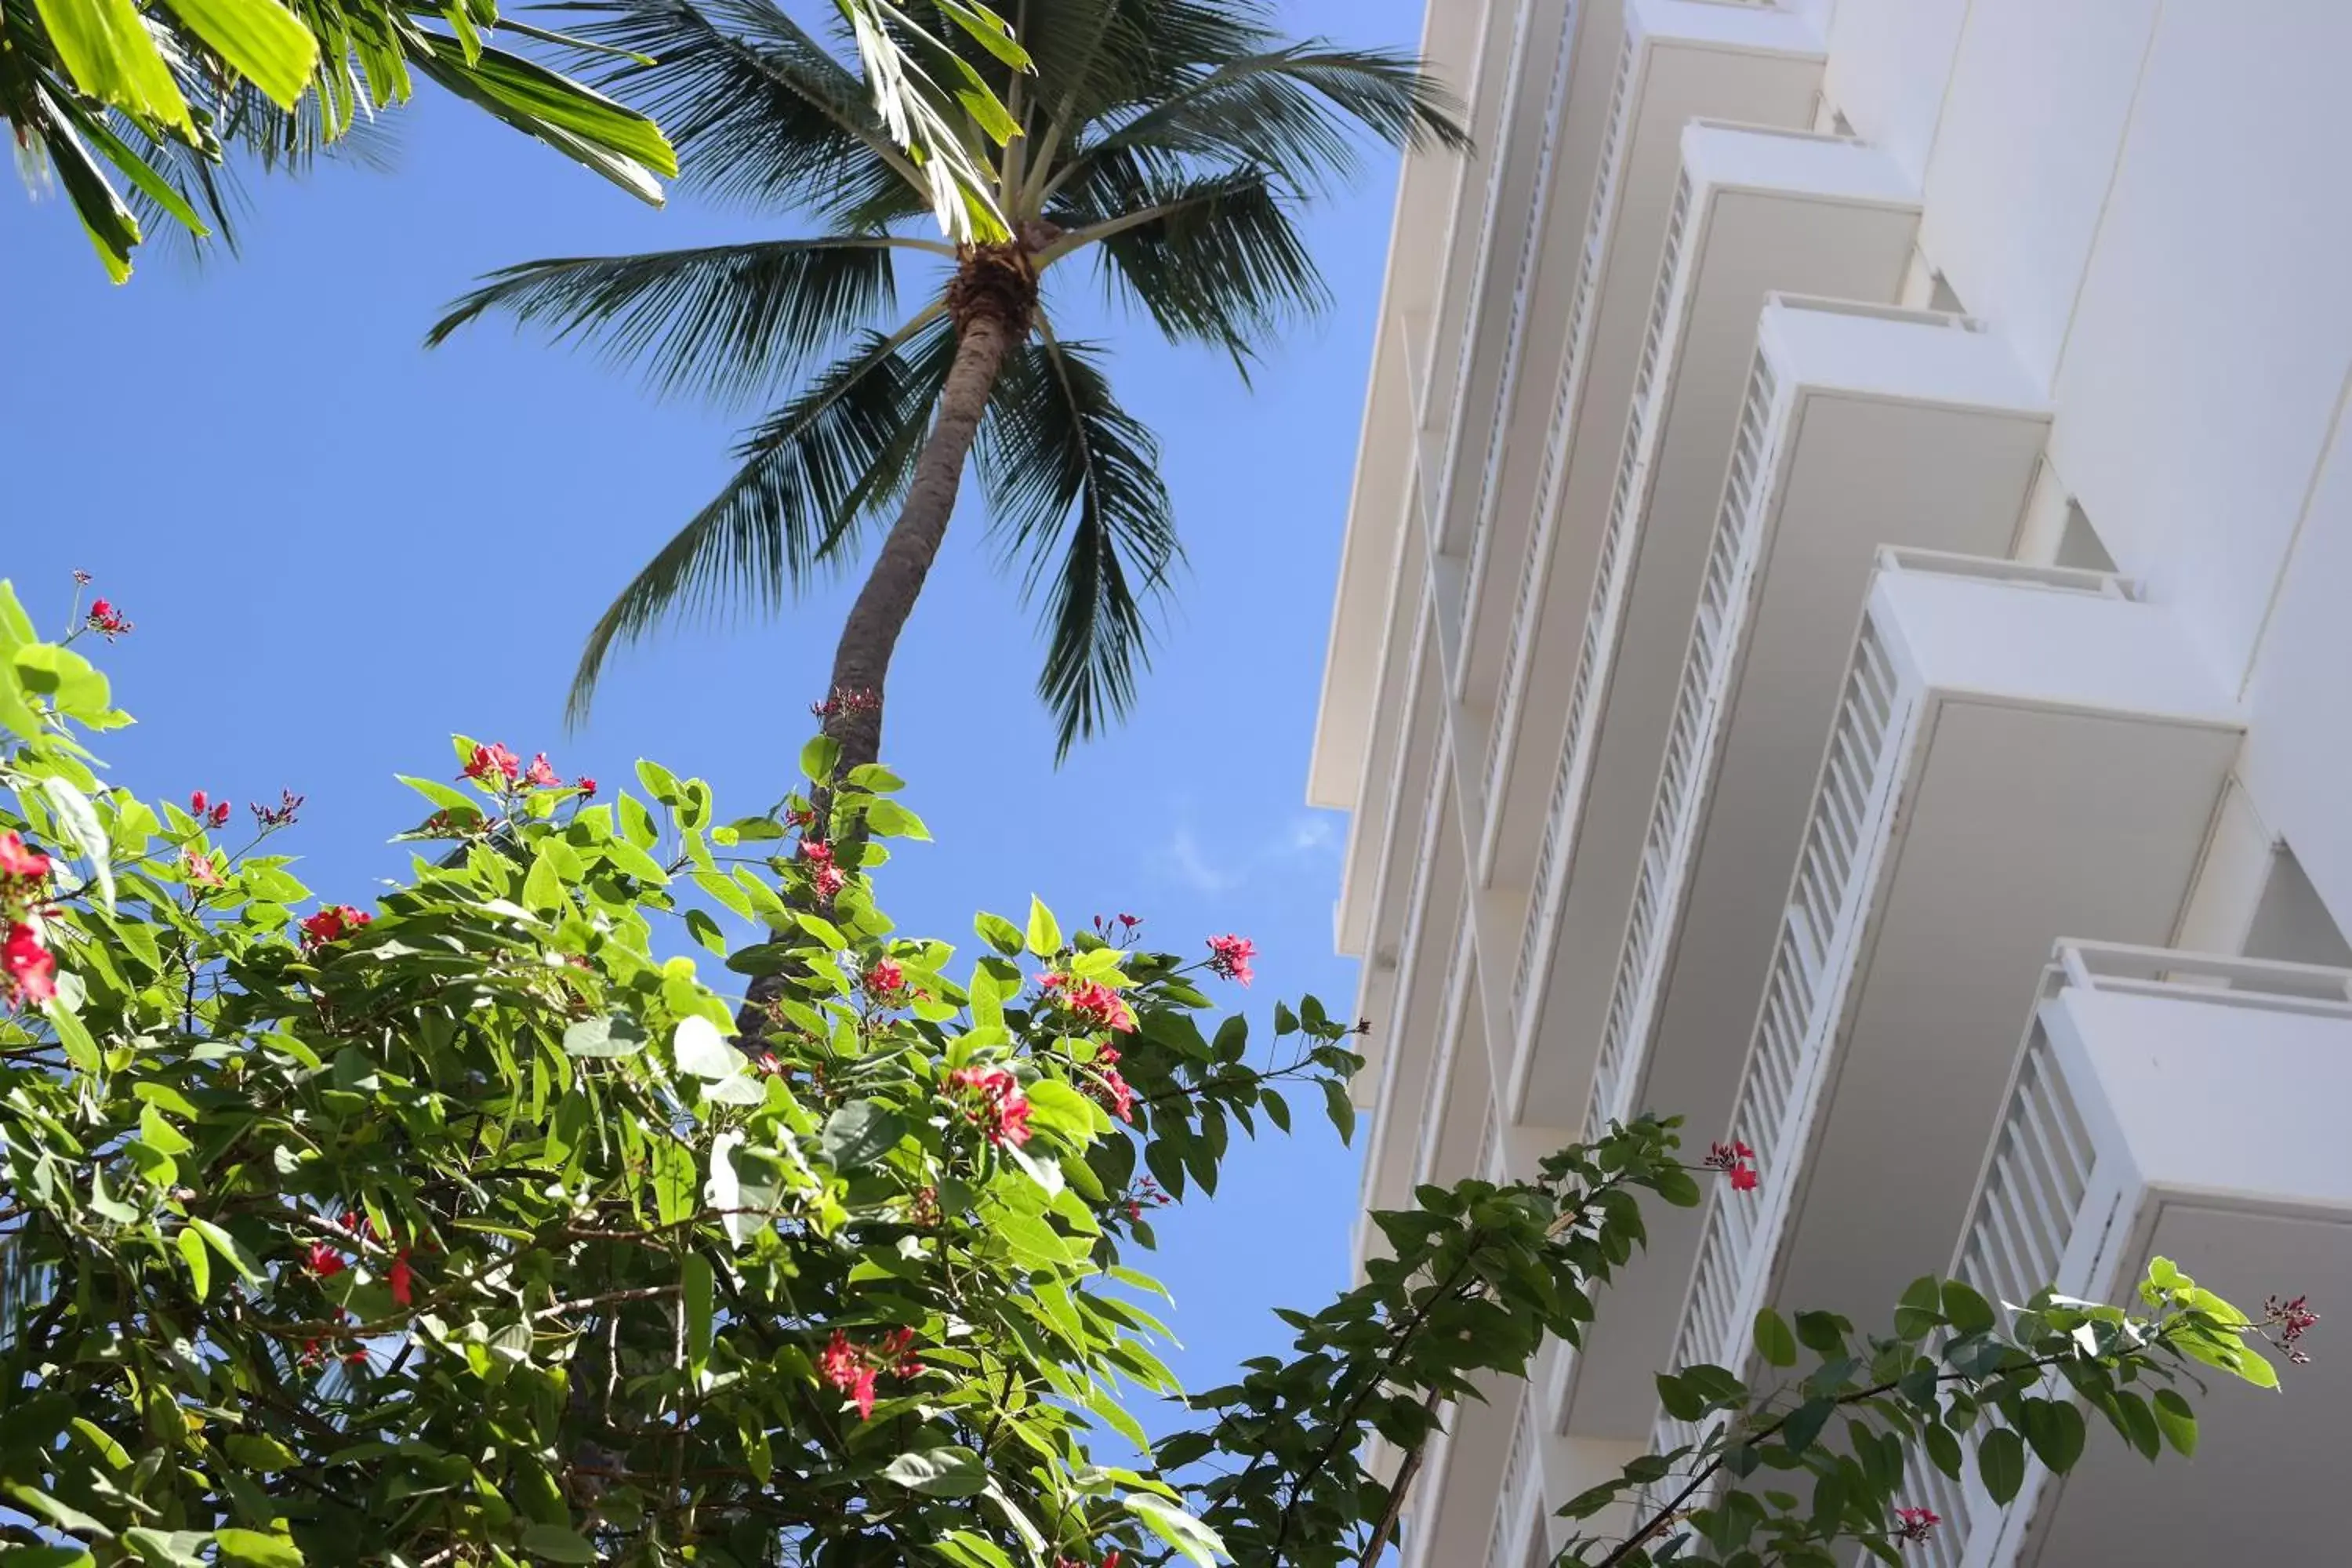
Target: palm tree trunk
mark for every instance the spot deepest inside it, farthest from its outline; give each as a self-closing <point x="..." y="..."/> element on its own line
<point x="861" y="660"/>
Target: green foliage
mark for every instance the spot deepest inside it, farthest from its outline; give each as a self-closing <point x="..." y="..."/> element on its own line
<point x="156" y="93"/>
<point x="463" y="1233"/>
<point x="1956" y="1382"/>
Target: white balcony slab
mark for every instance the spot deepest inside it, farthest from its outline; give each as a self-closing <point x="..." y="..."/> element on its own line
<point x="2021" y="753"/>
<point x="2189" y="1107"/>
<point x="1679" y="806"/>
<point x="1680" y="60"/>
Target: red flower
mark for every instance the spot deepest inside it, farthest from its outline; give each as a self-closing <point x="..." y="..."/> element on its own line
<point x="1732" y="1160"/>
<point x="403" y="1280"/>
<point x="837" y="1363"/>
<point x="541" y="773"/>
<point x="884" y="977"/>
<point x="586" y="786"/>
<point x="1093" y="1002"/>
<point x="325" y="1261"/>
<point x="830" y="880"/>
<point x="1130" y="922"/>
<point x="16" y="860"/>
<point x="200" y="870"/>
<point x="333" y="924"/>
<point x="356" y="1357"/>
<point x="898" y="1348"/>
<point x="1003" y="1110"/>
<point x="208" y="811"/>
<point x="1230" y="956"/>
<point x="106" y="620"/>
<point x="491" y="760"/>
<point x="1914" y="1523"/>
<point x="1115" y="1092"/>
<point x="29" y="971"/>
<point x="844" y="1366"/>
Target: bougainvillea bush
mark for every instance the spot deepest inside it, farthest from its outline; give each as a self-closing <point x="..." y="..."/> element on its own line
<point x="460" y="1224"/>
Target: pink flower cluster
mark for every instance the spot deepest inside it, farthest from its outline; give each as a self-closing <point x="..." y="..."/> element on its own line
<point x="1230" y="956"/>
<point x="500" y="769"/>
<point x="1914" y="1523"/>
<point x="1091" y="1002"/>
<point x="851" y="1368"/>
<point x="106" y="620"/>
<point x="995" y="1101"/>
<point x="2294" y="1318"/>
<point x="29" y="970"/>
<point x="1735" y="1160"/>
<point x="1109" y="1562"/>
<point x="824" y="875"/>
<point x="332" y="924"/>
<point x="1109" y="1088"/>
<point x="208" y="811"/>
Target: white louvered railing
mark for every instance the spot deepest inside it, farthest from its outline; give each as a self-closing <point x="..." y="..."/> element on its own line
<point x="1561" y="434"/>
<point x="1514" y="326"/>
<point x="1781" y="1085"/>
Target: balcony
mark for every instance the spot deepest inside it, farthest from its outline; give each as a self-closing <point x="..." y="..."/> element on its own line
<point x="1680" y="60"/>
<point x="2191" y="1107"/>
<point x="2020" y="752"/>
<point x="1759" y="208"/>
<point x="1679" y="798"/>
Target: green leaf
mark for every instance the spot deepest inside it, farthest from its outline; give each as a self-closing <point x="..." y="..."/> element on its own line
<point x="251" y="1546"/>
<point x="1921" y="1311"/>
<point x="1969" y="1312"/>
<point x="1774" y="1342"/>
<point x="696" y="1288"/>
<point x="69" y="681"/>
<point x="1943" y="1448"/>
<point x="1674" y="1185"/>
<point x="1682" y="1402"/>
<point x="1805" y="1423"/>
<point x="819" y="758"/>
<point x="889" y="819"/>
<point x="105" y="48"/>
<point x="260" y="39"/>
<point x="78" y="822"/>
<point x="999" y="933"/>
<point x="673" y="1165"/>
<point x="1178" y="1528"/>
<point x="612" y="1035"/>
<point x="859" y="1133"/>
<point x="2054" y="1428"/>
<point x="1044" y="933"/>
<point x="193" y="1253"/>
<point x="949" y="1471"/>
<point x="558" y="1543"/>
<point x="2177" y="1422"/>
<point x="65" y="1556"/>
<point x="1823" y="1333"/>
<point x="1341" y="1109"/>
<point x="2001" y="1462"/>
<point x="231" y="1249"/>
<point x="703" y="1051"/>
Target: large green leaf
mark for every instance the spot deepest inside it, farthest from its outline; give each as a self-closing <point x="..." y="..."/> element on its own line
<point x="107" y="50"/>
<point x="260" y="39"/>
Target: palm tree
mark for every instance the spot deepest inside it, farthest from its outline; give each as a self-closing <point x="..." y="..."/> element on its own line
<point x="1171" y="141"/>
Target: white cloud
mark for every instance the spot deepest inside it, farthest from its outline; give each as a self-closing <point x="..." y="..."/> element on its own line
<point x="1185" y="859"/>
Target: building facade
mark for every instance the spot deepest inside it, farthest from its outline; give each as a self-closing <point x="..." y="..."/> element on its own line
<point x="1842" y="635"/>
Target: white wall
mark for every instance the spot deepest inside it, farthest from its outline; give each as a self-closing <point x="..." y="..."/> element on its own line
<point x="2148" y="199"/>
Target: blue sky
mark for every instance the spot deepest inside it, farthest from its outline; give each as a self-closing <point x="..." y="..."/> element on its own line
<point x="338" y="548"/>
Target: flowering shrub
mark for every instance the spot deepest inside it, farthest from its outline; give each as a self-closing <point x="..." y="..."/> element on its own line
<point x="456" y="1229"/>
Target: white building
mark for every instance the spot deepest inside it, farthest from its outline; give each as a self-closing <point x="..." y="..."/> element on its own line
<point x="1846" y="633"/>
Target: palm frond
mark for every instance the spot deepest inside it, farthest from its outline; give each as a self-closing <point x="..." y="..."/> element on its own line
<point x="811" y="475"/>
<point x="1073" y="480"/>
<point x="760" y="112"/>
<point x="1092" y="56"/>
<point x="1215" y="259"/>
<point x="729" y="321"/>
<point x="1295" y="111"/>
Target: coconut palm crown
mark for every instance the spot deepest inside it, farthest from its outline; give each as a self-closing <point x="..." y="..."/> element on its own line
<point x="1172" y="142"/>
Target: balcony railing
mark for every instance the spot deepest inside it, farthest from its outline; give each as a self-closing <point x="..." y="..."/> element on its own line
<point x="2006" y="759"/>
